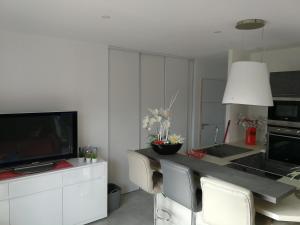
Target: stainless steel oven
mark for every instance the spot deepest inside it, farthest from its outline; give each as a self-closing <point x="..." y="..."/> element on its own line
<point x="285" y="112"/>
<point x="284" y="144"/>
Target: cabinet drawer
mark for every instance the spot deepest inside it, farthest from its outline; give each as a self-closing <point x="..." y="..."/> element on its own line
<point x="35" y="184"/>
<point x="85" y="202"/>
<point x="84" y="174"/>
<point x="3" y="191"/>
<point x="43" y="208"/>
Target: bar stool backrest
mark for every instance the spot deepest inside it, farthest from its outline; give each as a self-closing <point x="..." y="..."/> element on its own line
<point x="140" y="171"/>
<point x="179" y="184"/>
<point x="226" y="204"/>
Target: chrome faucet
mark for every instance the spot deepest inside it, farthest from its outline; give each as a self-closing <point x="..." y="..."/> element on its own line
<point x="216" y="135"/>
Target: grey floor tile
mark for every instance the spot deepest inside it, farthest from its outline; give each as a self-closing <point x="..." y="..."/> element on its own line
<point x="136" y="209"/>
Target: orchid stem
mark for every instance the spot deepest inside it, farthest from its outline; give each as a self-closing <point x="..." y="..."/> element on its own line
<point x="173" y="100"/>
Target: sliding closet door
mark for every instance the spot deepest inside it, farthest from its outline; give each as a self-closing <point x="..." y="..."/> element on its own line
<point x="123" y="114"/>
<point x="177" y="79"/>
<point x="152" y="88"/>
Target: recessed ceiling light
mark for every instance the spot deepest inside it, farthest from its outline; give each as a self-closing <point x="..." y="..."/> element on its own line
<point x="105" y="17"/>
<point x="217" y="32"/>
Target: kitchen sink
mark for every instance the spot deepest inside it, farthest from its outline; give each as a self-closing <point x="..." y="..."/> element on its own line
<point x="225" y="150"/>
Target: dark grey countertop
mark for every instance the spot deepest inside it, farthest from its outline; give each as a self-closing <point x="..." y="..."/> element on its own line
<point x="264" y="188"/>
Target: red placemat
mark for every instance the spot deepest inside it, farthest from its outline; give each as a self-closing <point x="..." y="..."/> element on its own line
<point x="12" y="174"/>
<point x="9" y="174"/>
<point x="197" y="153"/>
<point x="62" y="165"/>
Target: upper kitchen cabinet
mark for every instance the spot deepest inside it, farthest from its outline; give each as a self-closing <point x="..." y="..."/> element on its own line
<point x="285" y="84"/>
<point x="177" y="78"/>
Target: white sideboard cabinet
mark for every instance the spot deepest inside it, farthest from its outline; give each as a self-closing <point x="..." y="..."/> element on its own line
<point x="72" y="196"/>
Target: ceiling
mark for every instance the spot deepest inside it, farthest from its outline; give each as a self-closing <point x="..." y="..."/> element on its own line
<point x="191" y="28"/>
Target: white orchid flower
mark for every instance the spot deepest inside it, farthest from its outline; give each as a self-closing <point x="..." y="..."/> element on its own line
<point x="158" y="119"/>
<point x="166" y="124"/>
<point x="154" y="112"/>
<point x="145" y="121"/>
<point x="152" y="121"/>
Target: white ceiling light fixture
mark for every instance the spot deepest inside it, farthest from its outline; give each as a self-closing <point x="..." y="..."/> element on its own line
<point x="248" y="82"/>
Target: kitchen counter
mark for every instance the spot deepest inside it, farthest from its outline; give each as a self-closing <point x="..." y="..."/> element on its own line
<point x="263" y="188"/>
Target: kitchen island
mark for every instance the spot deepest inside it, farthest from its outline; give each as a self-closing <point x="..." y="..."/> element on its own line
<point x="274" y="198"/>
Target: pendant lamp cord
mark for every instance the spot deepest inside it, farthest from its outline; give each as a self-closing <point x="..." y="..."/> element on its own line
<point x="263" y="45"/>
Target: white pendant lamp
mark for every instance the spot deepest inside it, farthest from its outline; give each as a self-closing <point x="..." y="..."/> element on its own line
<point x="248" y="83"/>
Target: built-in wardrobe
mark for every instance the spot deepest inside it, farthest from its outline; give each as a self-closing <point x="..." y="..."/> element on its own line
<point x="138" y="81"/>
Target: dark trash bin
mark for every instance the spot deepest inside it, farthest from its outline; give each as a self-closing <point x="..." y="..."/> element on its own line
<point x="114" y="195"/>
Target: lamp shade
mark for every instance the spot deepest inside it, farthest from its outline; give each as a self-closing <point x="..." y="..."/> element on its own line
<point x="248" y="83"/>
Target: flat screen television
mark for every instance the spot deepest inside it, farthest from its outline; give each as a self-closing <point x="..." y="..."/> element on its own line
<point x="36" y="137"/>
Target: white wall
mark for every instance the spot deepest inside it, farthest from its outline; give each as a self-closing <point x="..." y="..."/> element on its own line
<point x="49" y="74"/>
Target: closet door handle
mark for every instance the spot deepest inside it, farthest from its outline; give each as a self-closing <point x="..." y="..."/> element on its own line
<point x="161" y="217"/>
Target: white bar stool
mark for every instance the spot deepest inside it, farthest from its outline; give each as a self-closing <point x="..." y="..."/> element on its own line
<point x="145" y="175"/>
<point x="226" y="204"/>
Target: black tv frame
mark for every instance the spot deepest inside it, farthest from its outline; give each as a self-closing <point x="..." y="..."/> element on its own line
<point x="52" y="158"/>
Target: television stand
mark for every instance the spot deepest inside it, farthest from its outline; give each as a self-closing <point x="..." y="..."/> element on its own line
<point x="72" y="196"/>
<point x="36" y="167"/>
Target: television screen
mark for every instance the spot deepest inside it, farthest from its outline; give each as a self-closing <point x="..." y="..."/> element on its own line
<point x="34" y="137"/>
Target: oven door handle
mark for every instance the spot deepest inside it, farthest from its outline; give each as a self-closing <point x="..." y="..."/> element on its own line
<point x="279" y="135"/>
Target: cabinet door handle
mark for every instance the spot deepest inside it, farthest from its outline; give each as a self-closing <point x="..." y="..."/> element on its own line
<point x="279" y="135"/>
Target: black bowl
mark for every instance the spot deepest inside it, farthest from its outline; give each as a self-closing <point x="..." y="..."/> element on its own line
<point x="166" y="149"/>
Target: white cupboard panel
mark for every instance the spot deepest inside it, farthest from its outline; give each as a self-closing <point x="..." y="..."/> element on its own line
<point x="192" y="121"/>
<point x="84" y="174"/>
<point x="177" y="79"/>
<point x="123" y="114"/>
<point x="44" y="208"/>
<point x="4" y="212"/>
<point x="152" y="88"/>
<point x="84" y="202"/>
<point x="35" y="184"/>
<point x="3" y="191"/>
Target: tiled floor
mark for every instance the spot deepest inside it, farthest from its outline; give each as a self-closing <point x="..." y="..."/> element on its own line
<point x="136" y="209"/>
